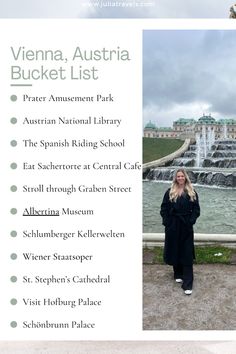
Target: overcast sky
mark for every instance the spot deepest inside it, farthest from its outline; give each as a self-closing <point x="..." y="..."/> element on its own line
<point x="94" y="9"/>
<point x="188" y="73"/>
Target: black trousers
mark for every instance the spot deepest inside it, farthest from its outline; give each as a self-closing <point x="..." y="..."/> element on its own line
<point x="186" y="273"/>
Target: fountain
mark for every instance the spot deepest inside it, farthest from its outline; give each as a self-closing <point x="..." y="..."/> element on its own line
<point x="198" y="150"/>
<point x="225" y="131"/>
<point x="196" y="153"/>
<point x="211" y="139"/>
<point x="208" y="162"/>
<point x="204" y="142"/>
<point x="222" y="155"/>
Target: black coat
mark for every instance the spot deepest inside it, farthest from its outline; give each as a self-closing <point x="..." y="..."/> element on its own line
<point x="178" y="218"/>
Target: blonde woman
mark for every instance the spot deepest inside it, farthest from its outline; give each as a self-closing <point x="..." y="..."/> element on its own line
<point x="180" y="210"/>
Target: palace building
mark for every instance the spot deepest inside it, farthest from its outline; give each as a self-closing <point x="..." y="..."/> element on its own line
<point x="188" y="127"/>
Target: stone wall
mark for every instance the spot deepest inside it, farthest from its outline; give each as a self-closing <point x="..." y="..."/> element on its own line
<point x="168" y="158"/>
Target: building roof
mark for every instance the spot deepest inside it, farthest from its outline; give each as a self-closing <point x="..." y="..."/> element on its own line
<point x="150" y="125"/>
<point x="226" y="121"/>
<point x="161" y="129"/>
<point x="185" y="121"/>
<point x="206" y="120"/>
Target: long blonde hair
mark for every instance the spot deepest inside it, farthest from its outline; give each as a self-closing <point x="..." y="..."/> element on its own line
<point x="188" y="187"/>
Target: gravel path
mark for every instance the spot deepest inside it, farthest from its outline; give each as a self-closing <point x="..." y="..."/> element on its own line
<point x="212" y="305"/>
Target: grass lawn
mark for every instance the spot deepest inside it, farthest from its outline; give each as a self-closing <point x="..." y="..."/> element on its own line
<point x="154" y="149"/>
<point x="204" y="254"/>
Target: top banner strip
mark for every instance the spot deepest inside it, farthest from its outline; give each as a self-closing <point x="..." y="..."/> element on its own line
<point x="118" y="9"/>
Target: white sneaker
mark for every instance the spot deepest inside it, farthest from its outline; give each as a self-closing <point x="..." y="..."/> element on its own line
<point x="188" y="292"/>
<point x="178" y="280"/>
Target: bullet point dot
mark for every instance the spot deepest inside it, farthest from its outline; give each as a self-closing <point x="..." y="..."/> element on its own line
<point x="13" y="120"/>
<point x="13" y="188"/>
<point x="13" y="211"/>
<point x="13" y="143"/>
<point x="13" y="233"/>
<point x="13" y="324"/>
<point x="13" y="98"/>
<point x="13" y="301"/>
<point x="13" y="279"/>
<point x="13" y="165"/>
<point x="13" y="256"/>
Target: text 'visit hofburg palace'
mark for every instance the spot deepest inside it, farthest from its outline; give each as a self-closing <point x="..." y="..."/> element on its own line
<point x="188" y="127"/>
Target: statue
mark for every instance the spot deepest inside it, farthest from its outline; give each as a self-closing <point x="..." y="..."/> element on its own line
<point x="232" y="11"/>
